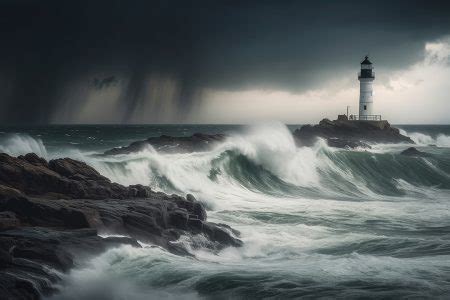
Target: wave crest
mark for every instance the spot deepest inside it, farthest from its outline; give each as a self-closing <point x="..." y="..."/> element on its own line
<point x="20" y="144"/>
<point x="441" y="140"/>
<point x="264" y="160"/>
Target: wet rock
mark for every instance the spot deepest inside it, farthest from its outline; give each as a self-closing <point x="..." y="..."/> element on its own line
<point x="34" y="159"/>
<point x="68" y="167"/>
<point x="190" y="198"/>
<point x="5" y="258"/>
<point x="140" y="191"/>
<point x="343" y="143"/>
<point x="7" y="192"/>
<point x="171" y="144"/>
<point x="44" y="214"/>
<point x="51" y="213"/>
<point x="195" y="224"/>
<point x="29" y="255"/>
<point x="192" y="206"/>
<point x="46" y="253"/>
<point x="8" y="220"/>
<point x="412" y="151"/>
<point x="220" y="235"/>
<point x="61" y="178"/>
<point x="14" y="287"/>
<point x="228" y="227"/>
<point x="135" y="210"/>
<point x="179" y="219"/>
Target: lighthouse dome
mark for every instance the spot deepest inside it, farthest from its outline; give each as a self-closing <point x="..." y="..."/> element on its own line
<point x="366" y="61"/>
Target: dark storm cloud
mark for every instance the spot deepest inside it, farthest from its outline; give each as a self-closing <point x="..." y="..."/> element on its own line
<point x="291" y="45"/>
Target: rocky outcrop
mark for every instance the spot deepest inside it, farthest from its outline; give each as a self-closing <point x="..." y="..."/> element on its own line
<point x="352" y="134"/>
<point x="411" y="151"/>
<point x="60" y="178"/>
<point x="51" y="214"/>
<point x="169" y="144"/>
<point x="32" y="257"/>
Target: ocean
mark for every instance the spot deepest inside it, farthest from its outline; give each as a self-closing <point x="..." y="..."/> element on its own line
<point x="315" y="221"/>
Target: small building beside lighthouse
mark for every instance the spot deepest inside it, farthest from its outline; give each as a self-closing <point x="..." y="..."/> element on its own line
<point x="366" y="77"/>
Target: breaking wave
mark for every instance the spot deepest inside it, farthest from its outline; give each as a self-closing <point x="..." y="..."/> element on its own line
<point x="20" y="144"/>
<point x="441" y="140"/>
<point x="265" y="160"/>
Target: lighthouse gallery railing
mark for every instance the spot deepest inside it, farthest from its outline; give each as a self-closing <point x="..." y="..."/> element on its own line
<point x="364" y="118"/>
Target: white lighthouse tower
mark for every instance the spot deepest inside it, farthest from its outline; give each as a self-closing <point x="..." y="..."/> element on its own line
<point x="366" y="77"/>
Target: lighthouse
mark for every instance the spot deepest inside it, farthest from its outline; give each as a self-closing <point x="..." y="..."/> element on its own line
<point x="366" y="77"/>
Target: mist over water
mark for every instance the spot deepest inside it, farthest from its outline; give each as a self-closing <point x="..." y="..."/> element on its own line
<point x="315" y="221"/>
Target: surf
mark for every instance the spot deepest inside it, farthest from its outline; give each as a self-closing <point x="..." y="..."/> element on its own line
<point x="265" y="160"/>
<point x="307" y="216"/>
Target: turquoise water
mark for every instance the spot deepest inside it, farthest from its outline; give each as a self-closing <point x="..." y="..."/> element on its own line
<point x="315" y="221"/>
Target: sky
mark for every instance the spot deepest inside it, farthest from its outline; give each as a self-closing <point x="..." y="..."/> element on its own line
<point x="229" y="61"/>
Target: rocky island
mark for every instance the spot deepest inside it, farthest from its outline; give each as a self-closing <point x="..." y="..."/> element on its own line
<point x="343" y="133"/>
<point x="51" y="214"/>
<point x="170" y="144"/>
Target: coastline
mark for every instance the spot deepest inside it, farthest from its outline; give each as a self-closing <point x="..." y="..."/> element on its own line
<point x="52" y="212"/>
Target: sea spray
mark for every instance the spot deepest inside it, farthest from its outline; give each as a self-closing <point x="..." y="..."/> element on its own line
<point x="273" y="147"/>
<point x="443" y="140"/>
<point x="265" y="160"/>
<point x="20" y="144"/>
<point x="440" y="140"/>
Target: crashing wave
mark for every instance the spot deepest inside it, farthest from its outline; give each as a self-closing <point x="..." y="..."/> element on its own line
<point x="20" y="144"/>
<point x="441" y="140"/>
<point x="264" y="160"/>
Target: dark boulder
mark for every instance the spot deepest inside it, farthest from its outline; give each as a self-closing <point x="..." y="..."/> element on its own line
<point x="34" y="159"/>
<point x="18" y="173"/>
<point x="8" y="220"/>
<point x="68" y="167"/>
<point x="221" y="235"/>
<point x="412" y="151"/>
<point x="190" y="198"/>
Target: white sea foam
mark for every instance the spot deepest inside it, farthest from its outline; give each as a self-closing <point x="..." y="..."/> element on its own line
<point x="273" y="147"/>
<point x="20" y="144"/>
<point x="441" y="140"/>
<point x="270" y="147"/>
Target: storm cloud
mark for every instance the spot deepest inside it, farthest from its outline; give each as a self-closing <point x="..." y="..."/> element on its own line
<point x="153" y="59"/>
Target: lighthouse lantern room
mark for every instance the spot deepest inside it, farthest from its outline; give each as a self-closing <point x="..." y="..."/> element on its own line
<point x="366" y="76"/>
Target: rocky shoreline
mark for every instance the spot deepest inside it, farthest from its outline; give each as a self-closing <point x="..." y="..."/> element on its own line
<point x="51" y="214"/>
